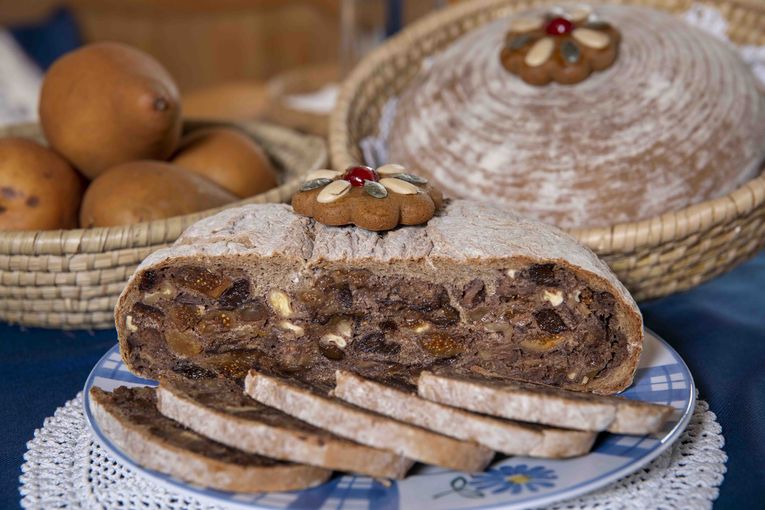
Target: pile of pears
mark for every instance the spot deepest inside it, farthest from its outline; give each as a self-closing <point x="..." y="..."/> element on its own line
<point x="111" y="115"/>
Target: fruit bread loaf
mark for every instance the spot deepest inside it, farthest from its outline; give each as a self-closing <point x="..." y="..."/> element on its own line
<point x="130" y="418"/>
<point x="401" y="402"/>
<point x="478" y="289"/>
<point x="543" y="404"/>
<point x="314" y="405"/>
<point x="219" y="409"/>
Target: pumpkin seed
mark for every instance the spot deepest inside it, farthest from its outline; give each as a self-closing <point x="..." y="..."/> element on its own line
<point x="519" y="42"/>
<point x="570" y="52"/>
<point x="315" y="183"/>
<point x="375" y="189"/>
<point x="414" y="179"/>
<point x="597" y="25"/>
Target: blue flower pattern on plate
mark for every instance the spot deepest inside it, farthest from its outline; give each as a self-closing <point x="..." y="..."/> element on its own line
<point x="514" y="479"/>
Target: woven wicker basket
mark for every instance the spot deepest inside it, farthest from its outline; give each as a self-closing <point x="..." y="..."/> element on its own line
<point x="72" y="278"/>
<point x="654" y="257"/>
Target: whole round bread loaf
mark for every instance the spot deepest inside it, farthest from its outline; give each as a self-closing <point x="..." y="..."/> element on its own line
<point x="676" y="120"/>
<point x="478" y="289"/>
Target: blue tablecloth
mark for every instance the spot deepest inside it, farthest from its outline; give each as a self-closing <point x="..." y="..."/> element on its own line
<point x="719" y="328"/>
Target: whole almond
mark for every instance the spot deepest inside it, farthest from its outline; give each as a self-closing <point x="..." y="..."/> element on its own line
<point x="399" y="186"/>
<point x="591" y="38"/>
<point x="540" y="52"/>
<point x="333" y="191"/>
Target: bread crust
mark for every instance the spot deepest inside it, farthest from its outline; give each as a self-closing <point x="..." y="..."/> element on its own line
<point x="153" y="452"/>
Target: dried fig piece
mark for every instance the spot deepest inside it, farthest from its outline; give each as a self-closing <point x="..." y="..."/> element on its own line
<point x="202" y="280"/>
<point x="216" y="321"/>
<point x="541" y="344"/>
<point x="549" y="321"/>
<point x="185" y="317"/>
<point x="441" y="345"/>
<point x="182" y="344"/>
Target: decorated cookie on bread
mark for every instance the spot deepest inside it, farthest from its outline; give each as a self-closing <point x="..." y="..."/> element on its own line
<point x="373" y="199"/>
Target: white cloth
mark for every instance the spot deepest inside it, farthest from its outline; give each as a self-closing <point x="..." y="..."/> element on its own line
<point x="20" y="82"/>
<point x="65" y="468"/>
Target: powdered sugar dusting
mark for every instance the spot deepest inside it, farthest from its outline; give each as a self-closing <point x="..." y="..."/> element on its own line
<point x="676" y="120"/>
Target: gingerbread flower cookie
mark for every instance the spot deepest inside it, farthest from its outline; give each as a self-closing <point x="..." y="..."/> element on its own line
<point x="565" y="45"/>
<point x="372" y="199"/>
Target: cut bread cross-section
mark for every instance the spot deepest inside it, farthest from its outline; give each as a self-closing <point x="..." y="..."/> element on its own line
<point x="508" y="437"/>
<point x="543" y="404"/>
<point x="129" y="417"/>
<point x="220" y="410"/>
<point x="309" y="404"/>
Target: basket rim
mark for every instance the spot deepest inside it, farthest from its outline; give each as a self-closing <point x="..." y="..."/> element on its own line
<point x="91" y="240"/>
<point x="633" y="235"/>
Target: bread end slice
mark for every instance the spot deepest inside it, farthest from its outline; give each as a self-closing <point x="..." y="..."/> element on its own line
<point x="128" y="416"/>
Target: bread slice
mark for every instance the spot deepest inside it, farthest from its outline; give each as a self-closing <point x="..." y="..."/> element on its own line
<point x="544" y="404"/>
<point x="220" y="410"/>
<point x="509" y="437"/>
<point x="129" y="417"/>
<point x="372" y="429"/>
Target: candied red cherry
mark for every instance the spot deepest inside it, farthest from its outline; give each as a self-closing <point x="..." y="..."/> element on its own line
<point x="356" y="175"/>
<point x="559" y="26"/>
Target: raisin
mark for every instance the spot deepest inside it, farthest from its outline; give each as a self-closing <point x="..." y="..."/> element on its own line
<point x="235" y="296"/>
<point x="143" y="312"/>
<point x="192" y="371"/>
<point x="331" y="351"/>
<point x="149" y="280"/>
<point x="388" y="325"/>
<point x="202" y="280"/>
<point x="445" y="316"/>
<point x="344" y="295"/>
<point x="548" y="320"/>
<point x="441" y="345"/>
<point x="542" y="274"/>
<point x="473" y="293"/>
<point x="375" y="343"/>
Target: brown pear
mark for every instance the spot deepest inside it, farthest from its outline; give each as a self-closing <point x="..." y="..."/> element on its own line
<point x="145" y="191"/>
<point x="107" y="103"/>
<point x="39" y="190"/>
<point x="228" y="157"/>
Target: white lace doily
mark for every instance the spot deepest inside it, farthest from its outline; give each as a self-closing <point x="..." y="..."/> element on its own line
<point x="65" y="468"/>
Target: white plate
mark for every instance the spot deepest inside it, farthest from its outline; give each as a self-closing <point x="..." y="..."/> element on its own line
<point x="510" y="483"/>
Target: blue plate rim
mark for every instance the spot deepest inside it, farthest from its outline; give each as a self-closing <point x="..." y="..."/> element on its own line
<point x="565" y="493"/>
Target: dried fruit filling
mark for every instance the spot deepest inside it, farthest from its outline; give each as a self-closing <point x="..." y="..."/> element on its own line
<point x="540" y="322"/>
